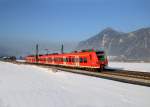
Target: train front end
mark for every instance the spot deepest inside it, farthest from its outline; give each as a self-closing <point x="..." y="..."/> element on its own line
<point x="101" y="59"/>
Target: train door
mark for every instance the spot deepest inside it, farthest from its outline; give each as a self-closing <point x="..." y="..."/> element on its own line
<point x="64" y="60"/>
<point x="77" y="60"/>
<point x="52" y="59"/>
<point x="46" y="58"/>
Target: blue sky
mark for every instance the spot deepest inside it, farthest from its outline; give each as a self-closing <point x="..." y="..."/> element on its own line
<point x="69" y="20"/>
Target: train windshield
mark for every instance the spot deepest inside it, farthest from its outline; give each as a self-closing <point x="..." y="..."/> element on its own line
<point x="100" y="55"/>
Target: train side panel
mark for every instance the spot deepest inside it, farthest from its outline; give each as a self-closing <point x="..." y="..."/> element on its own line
<point x="77" y="60"/>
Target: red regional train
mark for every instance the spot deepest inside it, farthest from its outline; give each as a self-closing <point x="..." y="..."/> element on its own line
<point x="85" y="59"/>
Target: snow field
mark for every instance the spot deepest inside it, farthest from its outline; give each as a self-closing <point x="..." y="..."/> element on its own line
<point x="143" y="67"/>
<point x="31" y="86"/>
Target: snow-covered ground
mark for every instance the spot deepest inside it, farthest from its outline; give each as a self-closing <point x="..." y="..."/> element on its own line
<point x="144" y="67"/>
<point x="31" y="86"/>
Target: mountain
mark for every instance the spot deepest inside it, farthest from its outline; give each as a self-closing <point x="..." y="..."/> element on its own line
<point x="121" y="46"/>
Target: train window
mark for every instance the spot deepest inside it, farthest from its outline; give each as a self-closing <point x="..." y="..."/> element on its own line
<point x="69" y="59"/>
<point x="49" y="59"/>
<point x="90" y="57"/>
<point x="100" y="52"/>
<point x="65" y="59"/>
<point x="61" y="59"/>
<point x="55" y="59"/>
<point x="81" y="60"/>
<point x="73" y="60"/>
<point x="76" y="60"/>
<point x="85" y="60"/>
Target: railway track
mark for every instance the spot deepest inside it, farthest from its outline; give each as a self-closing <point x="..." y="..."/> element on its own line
<point x="133" y="74"/>
<point x="132" y="77"/>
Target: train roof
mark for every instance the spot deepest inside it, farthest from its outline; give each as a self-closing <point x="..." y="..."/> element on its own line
<point x="74" y="52"/>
